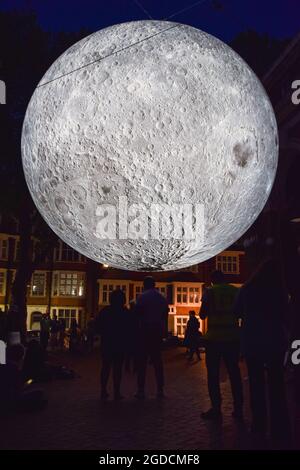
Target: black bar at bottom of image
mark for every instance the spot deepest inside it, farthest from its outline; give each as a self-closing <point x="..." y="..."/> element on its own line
<point x="137" y="458"/>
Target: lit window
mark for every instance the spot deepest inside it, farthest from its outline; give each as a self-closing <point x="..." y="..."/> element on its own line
<point x="38" y="284"/>
<point x="68" y="314"/>
<point x="180" y="325"/>
<point x="68" y="284"/>
<point x="194" y="295"/>
<point x="2" y="283"/>
<point x="4" y="248"/>
<point x="162" y="290"/>
<point x="188" y="295"/>
<point x="108" y="288"/>
<point x="228" y="264"/>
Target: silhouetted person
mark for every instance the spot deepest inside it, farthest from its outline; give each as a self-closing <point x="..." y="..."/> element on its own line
<point x="111" y="324"/>
<point x="152" y="311"/>
<point x="3" y="325"/>
<point x="11" y="378"/>
<point x="222" y="342"/>
<point x="90" y="334"/>
<point x="262" y="305"/>
<point x="54" y="330"/>
<point x="45" y="330"/>
<point x="192" y="335"/>
<point x="15" y="395"/>
<point x="37" y="368"/>
<point x="61" y="333"/>
<point x="74" y="336"/>
<point x="132" y="339"/>
<point x="34" y="363"/>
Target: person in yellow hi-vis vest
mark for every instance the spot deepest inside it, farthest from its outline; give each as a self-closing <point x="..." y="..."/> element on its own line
<point x="221" y="342"/>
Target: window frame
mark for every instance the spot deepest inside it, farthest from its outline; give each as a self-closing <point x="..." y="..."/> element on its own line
<point x="56" y="290"/>
<point x="180" y="321"/>
<point x="63" y="247"/>
<point x="188" y="289"/>
<point x="114" y="283"/>
<point x="3" y="290"/>
<point x="224" y="259"/>
<point x="44" y="273"/>
<point x="78" y="314"/>
<point x="161" y="286"/>
<point x="4" y="239"/>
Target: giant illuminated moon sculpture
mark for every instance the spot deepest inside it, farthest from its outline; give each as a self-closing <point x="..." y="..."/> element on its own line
<point x="158" y="113"/>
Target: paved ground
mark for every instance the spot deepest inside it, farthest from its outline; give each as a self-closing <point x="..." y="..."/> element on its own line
<point x="76" y="419"/>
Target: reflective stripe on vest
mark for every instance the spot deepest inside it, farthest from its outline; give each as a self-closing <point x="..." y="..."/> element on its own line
<point x="222" y="324"/>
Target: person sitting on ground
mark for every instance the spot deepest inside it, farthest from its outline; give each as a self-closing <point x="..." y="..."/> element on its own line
<point x="34" y="363"/>
<point x="15" y="394"/>
<point x="37" y="368"/>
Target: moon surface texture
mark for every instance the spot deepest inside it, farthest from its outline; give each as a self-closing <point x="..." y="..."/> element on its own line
<point x="159" y="113"/>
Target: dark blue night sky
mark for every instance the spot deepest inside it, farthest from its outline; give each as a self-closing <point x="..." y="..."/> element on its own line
<point x="223" y="18"/>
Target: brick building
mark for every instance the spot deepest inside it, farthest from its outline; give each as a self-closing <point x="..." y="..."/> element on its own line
<point x="183" y="288"/>
<point x="71" y="286"/>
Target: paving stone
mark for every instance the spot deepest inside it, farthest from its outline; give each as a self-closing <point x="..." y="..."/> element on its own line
<point x="76" y="418"/>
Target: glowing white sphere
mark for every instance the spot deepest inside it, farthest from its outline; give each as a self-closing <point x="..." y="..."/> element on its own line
<point x="159" y="113"/>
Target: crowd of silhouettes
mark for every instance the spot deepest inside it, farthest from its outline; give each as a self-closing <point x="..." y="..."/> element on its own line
<point x="52" y="332"/>
<point x="250" y="322"/>
<point x="133" y="337"/>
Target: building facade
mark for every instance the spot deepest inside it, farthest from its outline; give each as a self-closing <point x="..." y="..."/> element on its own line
<point x="70" y="286"/>
<point x="183" y="289"/>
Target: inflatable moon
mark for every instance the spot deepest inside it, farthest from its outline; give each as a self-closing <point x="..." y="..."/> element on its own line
<point x="150" y="145"/>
